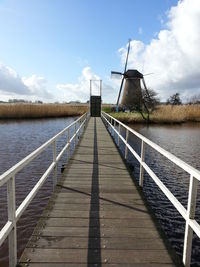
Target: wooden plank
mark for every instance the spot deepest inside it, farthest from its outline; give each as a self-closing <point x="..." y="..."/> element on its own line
<point x="105" y="232"/>
<point x="96" y="256"/>
<point x="97" y="265"/>
<point x="104" y="222"/>
<point x="96" y="214"/>
<point x="69" y="242"/>
<point x="80" y="207"/>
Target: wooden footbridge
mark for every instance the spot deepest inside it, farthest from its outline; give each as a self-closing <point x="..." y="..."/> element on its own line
<point x="97" y="215"/>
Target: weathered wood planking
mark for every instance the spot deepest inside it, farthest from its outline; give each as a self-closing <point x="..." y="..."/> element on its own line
<point x="97" y="217"/>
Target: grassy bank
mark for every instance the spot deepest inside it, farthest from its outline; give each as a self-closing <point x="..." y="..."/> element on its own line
<point x="29" y="111"/>
<point x="163" y="114"/>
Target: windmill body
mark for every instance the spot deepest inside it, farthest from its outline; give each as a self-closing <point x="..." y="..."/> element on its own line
<point x="132" y="93"/>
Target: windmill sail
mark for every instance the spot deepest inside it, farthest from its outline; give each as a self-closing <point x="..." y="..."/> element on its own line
<point x="122" y="82"/>
<point x="132" y="92"/>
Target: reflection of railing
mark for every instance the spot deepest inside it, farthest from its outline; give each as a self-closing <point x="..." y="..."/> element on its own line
<point x="9" y="229"/>
<point x="189" y="214"/>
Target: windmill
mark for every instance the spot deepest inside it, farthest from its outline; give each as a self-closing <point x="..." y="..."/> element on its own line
<point x="132" y="93"/>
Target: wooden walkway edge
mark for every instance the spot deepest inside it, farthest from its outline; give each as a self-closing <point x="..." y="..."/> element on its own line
<point x="97" y="217"/>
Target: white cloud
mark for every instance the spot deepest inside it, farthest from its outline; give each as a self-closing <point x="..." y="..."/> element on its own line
<point x="173" y="56"/>
<point x="78" y="91"/>
<point x="81" y="90"/>
<point x="11" y="82"/>
<point x="37" y="86"/>
<point x="12" y="85"/>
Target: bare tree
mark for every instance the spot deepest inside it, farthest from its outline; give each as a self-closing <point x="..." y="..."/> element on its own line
<point x="150" y="98"/>
<point x="174" y="99"/>
<point x="145" y="103"/>
<point x="194" y="99"/>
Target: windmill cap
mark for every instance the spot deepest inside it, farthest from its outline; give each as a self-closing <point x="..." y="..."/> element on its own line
<point x="133" y="74"/>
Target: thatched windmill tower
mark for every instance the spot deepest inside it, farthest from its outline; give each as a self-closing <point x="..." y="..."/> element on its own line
<point x="132" y="93"/>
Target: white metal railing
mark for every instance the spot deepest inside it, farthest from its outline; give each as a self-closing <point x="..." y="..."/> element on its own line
<point x="189" y="213"/>
<point x="9" y="229"/>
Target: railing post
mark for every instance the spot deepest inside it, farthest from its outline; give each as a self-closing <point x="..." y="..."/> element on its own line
<point x="126" y="148"/>
<point x="114" y="128"/>
<point x="192" y="195"/>
<point x="107" y="122"/>
<point x="78" y="131"/>
<point x="12" y="238"/>
<point x="141" y="167"/>
<point x="111" y="126"/>
<point x="75" y="135"/>
<point x="84" y="122"/>
<point x="68" y="141"/>
<point x="119" y="134"/>
<point x="55" y="168"/>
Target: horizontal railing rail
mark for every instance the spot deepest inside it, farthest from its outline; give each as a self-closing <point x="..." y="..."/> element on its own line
<point x="188" y="214"/>
<point x="8" y="177"/>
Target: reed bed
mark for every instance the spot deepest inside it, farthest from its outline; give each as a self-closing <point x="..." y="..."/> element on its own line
<point x="163" y="114"/>
<point x="30" y="111"/>
<point x="182" y="113"/>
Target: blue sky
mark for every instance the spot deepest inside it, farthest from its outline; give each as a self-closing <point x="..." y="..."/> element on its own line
<point x="49" y="44"/>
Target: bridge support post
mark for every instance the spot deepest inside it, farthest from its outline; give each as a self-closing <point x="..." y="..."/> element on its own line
<point x="141" y="178"/>
<point x="192" y="195"/>
<point x="12" y="238"/>
<point x="55" y="168"/>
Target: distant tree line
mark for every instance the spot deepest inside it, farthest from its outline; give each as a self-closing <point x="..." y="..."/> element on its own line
<point x="14" y="100"/>
<point x="176" y="100"/>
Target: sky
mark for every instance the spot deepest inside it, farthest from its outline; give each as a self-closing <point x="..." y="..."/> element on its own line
<point x="49" y="50"/>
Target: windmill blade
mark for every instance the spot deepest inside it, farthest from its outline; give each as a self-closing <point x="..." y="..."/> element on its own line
<point x="120" y="91"/>
<point x="145" y="87"/>
<point x="116" y="74"/>
<point x="146" y="74"/>
<point x="129" y="44"/>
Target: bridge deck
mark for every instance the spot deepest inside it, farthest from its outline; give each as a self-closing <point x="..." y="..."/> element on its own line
<point x="96" y="217"/>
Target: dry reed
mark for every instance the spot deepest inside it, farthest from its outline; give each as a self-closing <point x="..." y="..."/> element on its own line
<point x="164" y="114"/>
<point x="173" y="114"/>
<point x="27" y="111"/>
